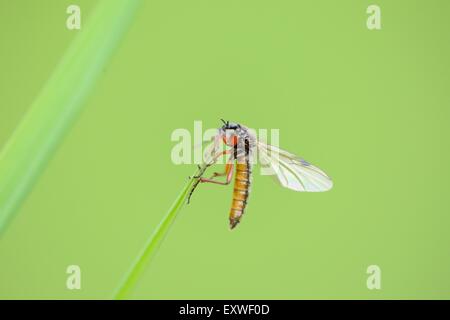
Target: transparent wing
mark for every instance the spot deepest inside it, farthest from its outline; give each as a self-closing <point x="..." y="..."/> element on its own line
<point x="205" y="150"/>
<point x="292" y="171"/>
<point x="209" y="149"/>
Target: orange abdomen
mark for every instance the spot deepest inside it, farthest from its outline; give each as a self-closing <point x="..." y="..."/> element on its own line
<point x="240" y="193"/>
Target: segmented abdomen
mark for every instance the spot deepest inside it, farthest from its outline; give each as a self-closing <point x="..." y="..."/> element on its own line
<point x="240" y="193"/>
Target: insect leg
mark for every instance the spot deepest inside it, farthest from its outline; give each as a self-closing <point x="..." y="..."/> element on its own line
<point x="213" y="161"/>
<point x="225" y="173"/>
<point x="228" y="173"/>
<point x="218" y="155"/>
<point x="192" y="191"/>
<point x="203" y="169"/>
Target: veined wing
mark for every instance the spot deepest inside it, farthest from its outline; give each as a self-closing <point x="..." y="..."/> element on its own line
<point x="292" y="171"/>
<point x="205" y="150"/>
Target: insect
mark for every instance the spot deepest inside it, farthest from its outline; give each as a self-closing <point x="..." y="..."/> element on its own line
<point x="291" y="171"/>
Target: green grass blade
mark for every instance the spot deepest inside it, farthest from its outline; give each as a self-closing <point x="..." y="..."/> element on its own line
<point x="153" y="243"/>
<point x="30" y="147"/>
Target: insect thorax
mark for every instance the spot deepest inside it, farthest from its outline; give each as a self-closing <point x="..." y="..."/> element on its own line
<point x="245" y="146"/>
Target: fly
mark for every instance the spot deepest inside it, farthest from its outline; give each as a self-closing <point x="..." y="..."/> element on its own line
<point x="292" y="172"/>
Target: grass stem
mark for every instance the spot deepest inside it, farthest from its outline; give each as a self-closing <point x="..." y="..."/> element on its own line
<point x="153" y="243"/>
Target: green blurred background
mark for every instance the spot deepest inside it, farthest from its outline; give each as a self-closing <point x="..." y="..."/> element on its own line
<point x="369" y="107"/>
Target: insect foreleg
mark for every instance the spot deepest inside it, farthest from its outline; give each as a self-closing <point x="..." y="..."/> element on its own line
<point x="228" y="173"/>
<point x="218" y="155"/>
<point x="209" y="164"/>
<point x="202" y="170"/>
